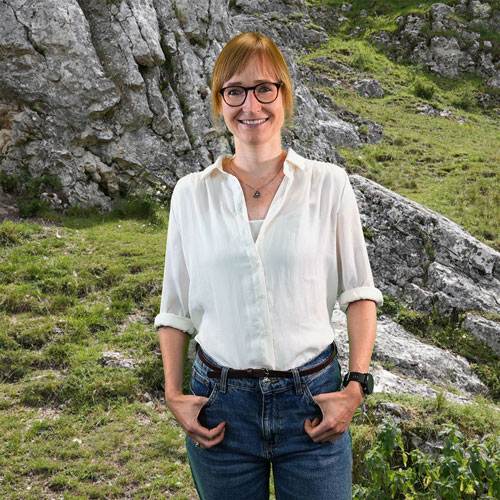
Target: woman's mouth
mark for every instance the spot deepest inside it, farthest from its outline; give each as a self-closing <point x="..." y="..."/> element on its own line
<point x="254" y="122"/>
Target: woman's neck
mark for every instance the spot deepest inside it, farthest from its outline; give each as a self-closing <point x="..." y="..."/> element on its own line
<point x="258" y="163"/>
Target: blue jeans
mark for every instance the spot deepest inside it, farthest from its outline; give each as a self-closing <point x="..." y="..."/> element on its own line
<point x="265" y="425"/>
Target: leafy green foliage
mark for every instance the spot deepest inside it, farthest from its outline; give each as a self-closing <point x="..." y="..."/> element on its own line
<point x="424" y="89"/>
<point x="463" y="470"/>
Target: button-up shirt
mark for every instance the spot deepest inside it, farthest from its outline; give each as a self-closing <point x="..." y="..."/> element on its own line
<point x="266" y="303"/>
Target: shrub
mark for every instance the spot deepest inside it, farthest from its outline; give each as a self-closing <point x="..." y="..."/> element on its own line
<point x="12" y="233"/>
<point x="464" y="470"/>
<point x="423" y="89"/>
<point x="466" y="100"/>
<point x="149" y="204"/>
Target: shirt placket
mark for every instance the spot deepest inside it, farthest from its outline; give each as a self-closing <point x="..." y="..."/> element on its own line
<point x="261" y="315"/>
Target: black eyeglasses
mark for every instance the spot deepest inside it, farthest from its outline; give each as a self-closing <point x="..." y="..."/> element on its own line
<point x="265" y="93"/>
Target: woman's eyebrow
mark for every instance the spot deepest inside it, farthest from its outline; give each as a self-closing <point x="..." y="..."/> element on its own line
<point x="256" y="82"/>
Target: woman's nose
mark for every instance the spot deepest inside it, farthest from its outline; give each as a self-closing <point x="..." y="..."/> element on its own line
<point x="251" y="103"/>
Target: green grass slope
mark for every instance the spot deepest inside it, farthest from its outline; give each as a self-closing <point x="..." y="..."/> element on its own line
<point x="449" y="164"/>
<point x="73" y="428"/>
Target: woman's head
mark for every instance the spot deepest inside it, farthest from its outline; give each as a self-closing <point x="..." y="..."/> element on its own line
<point x="236" y="55"/>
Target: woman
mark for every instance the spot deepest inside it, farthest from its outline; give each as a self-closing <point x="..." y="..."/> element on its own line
<point x="259" y="246"/>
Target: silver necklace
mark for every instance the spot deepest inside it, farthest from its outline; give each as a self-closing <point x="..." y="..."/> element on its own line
<point x="257" y="190"/>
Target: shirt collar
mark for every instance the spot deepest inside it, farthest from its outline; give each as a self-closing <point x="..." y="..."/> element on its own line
<point x="292" y="159"/>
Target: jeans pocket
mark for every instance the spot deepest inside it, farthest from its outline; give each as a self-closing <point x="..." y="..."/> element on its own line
<point x="202" y="386"/>
<point x="308" y="395"/>
<point x="328" y="380"/>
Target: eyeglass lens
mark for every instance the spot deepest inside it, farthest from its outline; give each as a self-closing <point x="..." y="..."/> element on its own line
<point x="265" y="93"/>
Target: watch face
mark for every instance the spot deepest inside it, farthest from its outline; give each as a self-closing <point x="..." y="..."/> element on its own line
<point x="369" y="383"/>
<point x="365" y="379"/>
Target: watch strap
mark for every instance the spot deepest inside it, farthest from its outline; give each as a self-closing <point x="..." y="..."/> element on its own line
<point x="365" y="379"/>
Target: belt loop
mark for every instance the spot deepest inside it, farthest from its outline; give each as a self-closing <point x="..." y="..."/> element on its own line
<point x="223" y="380"/>
<point x="296" y="381"/>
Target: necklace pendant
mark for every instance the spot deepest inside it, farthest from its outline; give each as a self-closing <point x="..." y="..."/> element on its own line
<point x="256" y="194"/>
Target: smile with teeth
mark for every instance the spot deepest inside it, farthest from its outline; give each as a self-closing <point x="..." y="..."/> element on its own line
<point x="254" y="122"/>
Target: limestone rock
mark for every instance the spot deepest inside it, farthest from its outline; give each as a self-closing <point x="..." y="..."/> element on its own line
<point x="483" y="329"/>
<point x="423" y="258"/>
<point x="415" y="367"/>
<point x="369" y="88"/>
<point x="115" y="358"/>
<point x="454" y="48"/>
<point x="113" y="96"/>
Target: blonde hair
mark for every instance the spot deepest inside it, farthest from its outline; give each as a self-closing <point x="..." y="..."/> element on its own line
<point x="234" y="57"/>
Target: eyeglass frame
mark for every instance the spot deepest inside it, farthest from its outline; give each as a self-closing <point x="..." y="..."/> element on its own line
<point x="246" y="89"/>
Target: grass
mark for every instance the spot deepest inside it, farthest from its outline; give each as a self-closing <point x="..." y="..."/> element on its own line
<point x="73" y="428"/>
<point x="447" y="164"/>
<point x="484" y="362"/>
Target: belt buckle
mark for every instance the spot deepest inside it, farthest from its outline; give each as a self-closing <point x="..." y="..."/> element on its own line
<point x="265" y="380"/>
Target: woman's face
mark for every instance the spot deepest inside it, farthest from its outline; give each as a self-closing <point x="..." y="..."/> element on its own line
<point x="254" y="123"/>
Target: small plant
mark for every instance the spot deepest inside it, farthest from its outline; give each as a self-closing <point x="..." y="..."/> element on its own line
<point x="12" y="234"/>
<point x="368" y="233"/>
<point x="423" y="89"/>
<point x="149" y="204"/>
<point x="464" y="470"/>
<point x="9" y="184"/>
<point x="466" y="100"/>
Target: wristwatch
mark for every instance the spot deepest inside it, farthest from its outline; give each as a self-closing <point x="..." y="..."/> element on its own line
<point x="365" y="379"/>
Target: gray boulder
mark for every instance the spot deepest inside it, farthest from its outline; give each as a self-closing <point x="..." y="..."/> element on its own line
<point x="401" y="363"/>
<point x="369" y="88"/>
<point x="483" y="329"/>
<point x="423" y="258"/>
<point x="454" y="48"/>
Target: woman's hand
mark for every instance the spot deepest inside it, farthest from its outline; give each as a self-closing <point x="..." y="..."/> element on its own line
<point x="186" y="410"/>
<point x="338" y="409"/>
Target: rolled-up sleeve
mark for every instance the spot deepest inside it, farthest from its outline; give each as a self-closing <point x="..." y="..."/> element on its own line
<point x="174" y="307"/>
<point x="355" y="280"/>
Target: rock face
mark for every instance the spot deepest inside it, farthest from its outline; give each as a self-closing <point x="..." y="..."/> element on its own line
<point x="429" y="262"/>
<point x="447" y="40"/>
<point x="423" y="258"/>
<point x="486" y="330"/>
<point x="402" y="363"/>
<point x="112" y="95"/>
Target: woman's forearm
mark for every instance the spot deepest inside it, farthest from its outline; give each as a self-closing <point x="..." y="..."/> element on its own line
<point x="173" y="346"/>
<point x="361" y="328"/>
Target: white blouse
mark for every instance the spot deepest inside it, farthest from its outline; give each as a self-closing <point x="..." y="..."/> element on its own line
<point x="268" y="302"/>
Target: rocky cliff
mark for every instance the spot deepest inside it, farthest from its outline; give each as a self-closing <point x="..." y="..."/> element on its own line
<point x="99" y="98"/>
<point x="107" y="96"/>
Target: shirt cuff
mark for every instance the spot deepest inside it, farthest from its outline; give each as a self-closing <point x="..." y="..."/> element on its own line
<point x="175" y="321"/>
<point x="361" y="293"/>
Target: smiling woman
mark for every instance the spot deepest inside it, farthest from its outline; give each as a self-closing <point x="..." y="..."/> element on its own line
<point x="235" y="57"/>
<point x="260" y="245"/>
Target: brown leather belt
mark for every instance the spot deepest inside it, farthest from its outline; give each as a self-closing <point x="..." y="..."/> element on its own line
<point x="263" y="372"/>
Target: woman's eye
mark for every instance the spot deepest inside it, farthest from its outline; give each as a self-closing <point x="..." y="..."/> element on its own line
<point x="264" y="89"/>
<point x="233" y="92"/>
